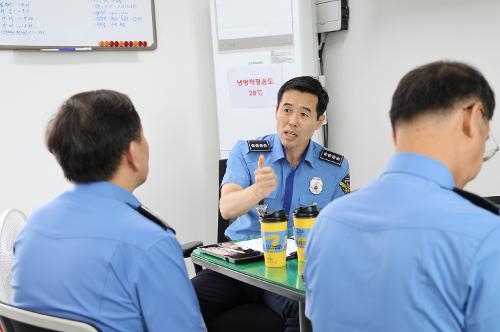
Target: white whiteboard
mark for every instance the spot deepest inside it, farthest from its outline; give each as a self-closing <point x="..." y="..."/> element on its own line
<point x="84" y="24"/>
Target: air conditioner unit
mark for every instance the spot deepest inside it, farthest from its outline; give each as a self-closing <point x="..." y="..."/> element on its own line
<point x="257" y="46"/>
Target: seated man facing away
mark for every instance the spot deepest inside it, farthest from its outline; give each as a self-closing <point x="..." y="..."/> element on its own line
<point x="413" y="251"/>
<point x="94" y="253"/>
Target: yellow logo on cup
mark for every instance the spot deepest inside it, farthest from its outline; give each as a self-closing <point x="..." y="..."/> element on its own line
<point x="275" y="245"/>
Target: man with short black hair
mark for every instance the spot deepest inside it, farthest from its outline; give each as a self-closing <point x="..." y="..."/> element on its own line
<point x="285" y="170"/>
<point x="413" y="251"/>
<point x="291" y="171"/>
<point x="94" y="253"/>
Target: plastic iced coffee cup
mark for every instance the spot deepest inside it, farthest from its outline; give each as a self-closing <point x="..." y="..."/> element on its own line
<point x="303" y="220"/>
<point x="273" y="228"/>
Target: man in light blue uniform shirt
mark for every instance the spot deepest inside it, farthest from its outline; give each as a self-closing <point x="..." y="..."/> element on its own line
<point x="94" y="253"/>
<point x="316" y="181"/>
<point x="413" y="251"/>
<point x="286" y="170"/>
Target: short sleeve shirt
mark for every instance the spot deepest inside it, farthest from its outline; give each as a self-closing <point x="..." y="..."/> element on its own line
<point x="89" y="255"/>
<point x="316" y="181"/>
<point x="406" y="253"/>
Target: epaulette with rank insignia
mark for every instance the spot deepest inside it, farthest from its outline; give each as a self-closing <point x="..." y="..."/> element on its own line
<point x="259" y="146"/>
<point x="151" y="216"/>
<point x="478" y="201"/>
<point x="331" y="157"/>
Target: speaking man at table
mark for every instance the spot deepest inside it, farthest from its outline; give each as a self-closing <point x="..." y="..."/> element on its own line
<point x="285" y="170"/>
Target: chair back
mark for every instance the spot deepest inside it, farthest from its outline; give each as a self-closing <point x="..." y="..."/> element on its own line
<point x="19" y="320"/>
<point x="222" y="223"/>
<point x="12" y="222"/>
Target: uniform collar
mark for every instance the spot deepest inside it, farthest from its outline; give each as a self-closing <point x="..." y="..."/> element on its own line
<point x="310" y="155"/>
<point x="107" y="190"/>
<point x="279" y="153"/>
<point x="421" y="166"/>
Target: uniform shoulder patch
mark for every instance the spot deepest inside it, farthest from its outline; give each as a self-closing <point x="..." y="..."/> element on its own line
<point x="151" y="216"/>
<point x="259" y="146"/>
<point x="331" y="157"/>
<point x="345" y="184"/>
<point x="478" y="201"/>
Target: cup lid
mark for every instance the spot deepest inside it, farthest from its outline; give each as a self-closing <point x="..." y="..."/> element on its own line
<point x="275" y="216"/>
<point x="306" y="212"/>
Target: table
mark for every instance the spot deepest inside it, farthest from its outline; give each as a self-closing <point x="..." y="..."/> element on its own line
<point x="286" y="281"/>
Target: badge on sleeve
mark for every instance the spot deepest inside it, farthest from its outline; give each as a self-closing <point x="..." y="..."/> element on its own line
<point x="316" y="185"/>
<point x="345" y="184"/>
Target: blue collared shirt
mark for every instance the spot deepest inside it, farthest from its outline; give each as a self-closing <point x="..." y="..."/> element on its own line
<point x="89" y="255"/>
<point x="242" y="164"/>
<point x="406" y="253"/>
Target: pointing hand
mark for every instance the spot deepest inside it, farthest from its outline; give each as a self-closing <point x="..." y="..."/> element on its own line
<point x="265" y="179"/>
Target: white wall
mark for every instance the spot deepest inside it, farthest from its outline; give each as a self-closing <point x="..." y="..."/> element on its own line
<point x="173" y="91"/>
<point x="386" y="39"/>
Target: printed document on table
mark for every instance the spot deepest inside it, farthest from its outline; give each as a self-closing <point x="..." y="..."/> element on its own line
<point x="256" y="244"/>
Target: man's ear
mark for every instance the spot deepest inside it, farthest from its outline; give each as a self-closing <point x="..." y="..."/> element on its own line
<point x="131" y="155"/>
<point x="471" y="118"/>
<point x="321" y="121"/>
